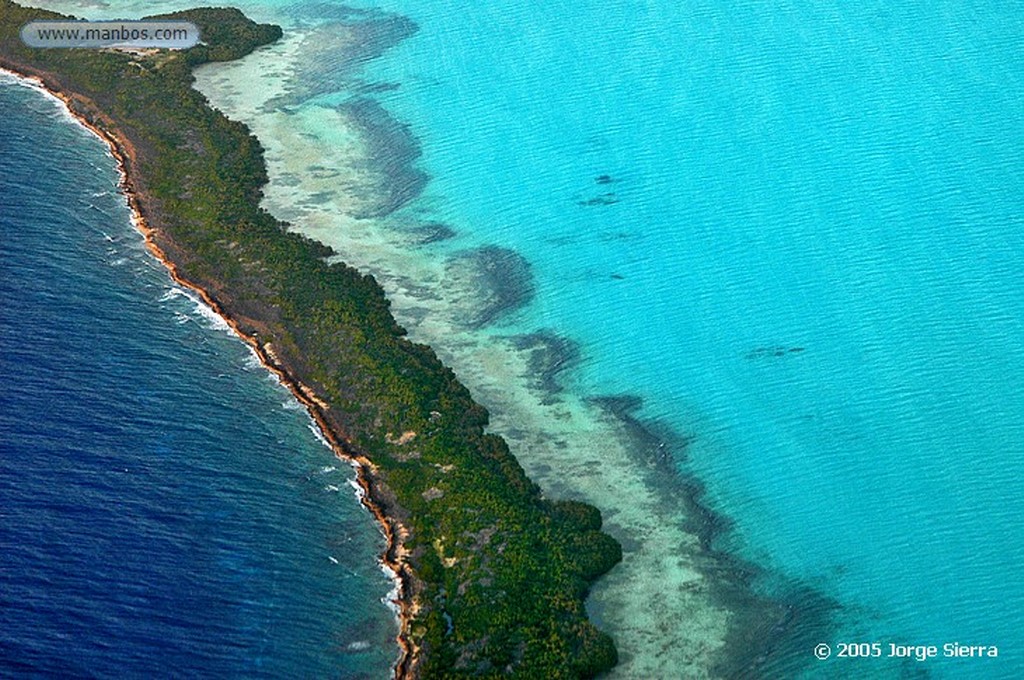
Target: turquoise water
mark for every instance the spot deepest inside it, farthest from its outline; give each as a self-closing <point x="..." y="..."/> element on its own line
<point x="165" y="508"/>
<point x="840" y="179"/>
<point x="793" y="229"/>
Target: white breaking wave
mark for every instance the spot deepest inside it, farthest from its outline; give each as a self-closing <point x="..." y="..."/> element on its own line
<point x="171" y="293"/>
<point x="201" y="312"/>
<point x="316" y="433"/>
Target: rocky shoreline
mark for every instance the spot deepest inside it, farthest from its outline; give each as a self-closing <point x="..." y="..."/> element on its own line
<point x="373" y="496"/>
<point x="491" y="574"/>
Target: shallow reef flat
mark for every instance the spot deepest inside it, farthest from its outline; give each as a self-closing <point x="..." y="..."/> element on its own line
<point x="674" y="609"/>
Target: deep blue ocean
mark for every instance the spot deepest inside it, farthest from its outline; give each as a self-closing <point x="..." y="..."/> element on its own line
<point x="793" y="231"/>
<point x="165" y="509"/>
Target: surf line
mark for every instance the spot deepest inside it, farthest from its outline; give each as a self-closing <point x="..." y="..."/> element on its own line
<point x="394" y="560"/>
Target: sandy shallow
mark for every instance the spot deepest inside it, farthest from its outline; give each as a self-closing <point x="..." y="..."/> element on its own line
<point x="659" y="603"/>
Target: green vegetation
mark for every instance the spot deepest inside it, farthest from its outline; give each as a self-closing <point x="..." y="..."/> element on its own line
<point x="502" y="571"/>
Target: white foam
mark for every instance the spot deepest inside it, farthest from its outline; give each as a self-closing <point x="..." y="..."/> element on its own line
<point x="171" y="293"/>
<point x="214" y="321"/>
<point x="360" y="494"/>
<point x="60" y="108"/>
<point x="393" y="599"/>
<point x="315" y="429"/>
<point x="201" y="312"/>
<point x="569" y="447"/>
<point x="252" y="361"/>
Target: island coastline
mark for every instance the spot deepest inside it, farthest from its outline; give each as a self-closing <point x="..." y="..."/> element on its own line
<point x="395" y="557"/>
<point x="571" y="547"/>
<point x="393" y="560"/>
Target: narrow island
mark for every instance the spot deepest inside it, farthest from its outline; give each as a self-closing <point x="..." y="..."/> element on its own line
<point x="492" y="575"/>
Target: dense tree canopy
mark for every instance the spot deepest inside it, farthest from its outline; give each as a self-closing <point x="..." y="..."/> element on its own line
<point x="502" y="570"/>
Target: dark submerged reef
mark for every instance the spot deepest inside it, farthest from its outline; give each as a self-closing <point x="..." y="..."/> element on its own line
<point x="391" y="151"/>
<point x="494" y="574"/>
<point x="332" y="52"/>
<point x="550" y="356"/>
<point x="434" y="232"/>
<point x="499" y="279"/>
<point x="777" y="619"/>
